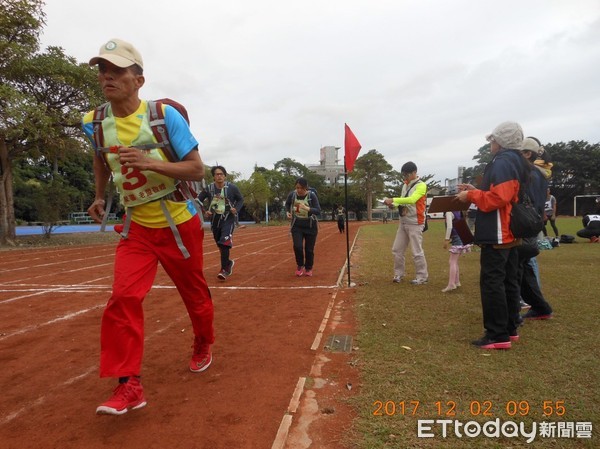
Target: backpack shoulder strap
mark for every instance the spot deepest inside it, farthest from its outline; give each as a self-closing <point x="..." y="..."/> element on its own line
<point x="413" y="186"/>
<point x="293" y="202"/>
<point x="100" y="114"/>
<point x="156" y="117"/>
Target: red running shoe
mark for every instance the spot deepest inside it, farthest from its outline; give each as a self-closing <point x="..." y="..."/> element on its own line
<point x="127" y="396"/>
<point x="201" y="357"/>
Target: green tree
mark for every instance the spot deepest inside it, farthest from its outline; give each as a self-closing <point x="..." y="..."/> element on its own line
<point x="473" y="175"/>
<point x="64" y="90"/>
<point x="54" y="201"/>
<point x="280" y="185"/>
<point x="256" y="194"/>
<point x="292" y="170"/>
<point x="575" y="171"/>
<point x="395" y="181"/>
<point x="370" y="173"/>
<point x="330" y="196"/>
<point x="20" y="26"/>
<point x="42" y="97"/>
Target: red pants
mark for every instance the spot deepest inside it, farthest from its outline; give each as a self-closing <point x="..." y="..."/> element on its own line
<point x="136" y="262"/>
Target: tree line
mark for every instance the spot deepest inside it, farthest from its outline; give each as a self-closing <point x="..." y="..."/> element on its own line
<point x="575" y="171"/>
<point x="46" y="164"/>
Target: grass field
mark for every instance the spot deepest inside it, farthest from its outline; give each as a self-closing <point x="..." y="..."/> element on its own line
<point x="417" y="362"/>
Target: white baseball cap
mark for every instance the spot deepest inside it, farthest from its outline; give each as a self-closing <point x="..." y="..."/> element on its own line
<point x="120" y="53"/>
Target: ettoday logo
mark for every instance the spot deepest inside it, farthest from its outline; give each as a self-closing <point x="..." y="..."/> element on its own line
<point x="431" y="428"/>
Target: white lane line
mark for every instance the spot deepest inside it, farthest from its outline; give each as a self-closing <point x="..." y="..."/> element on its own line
<point x="56" y="273"/>
<point x="33" y="267"/>
<point x="66" y="317"/>
<point x="282" y="432"/>
<point x="295" y="401"/>
<point x="8" y="418"/>
<point x="319" y="336"/>
<point x="42" y="291"/>
<point x="40" y="400"/>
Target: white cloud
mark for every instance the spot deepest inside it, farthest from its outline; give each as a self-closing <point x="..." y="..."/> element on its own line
<point x="417" y="80"/>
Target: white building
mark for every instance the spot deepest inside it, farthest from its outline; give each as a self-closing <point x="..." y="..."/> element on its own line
<point x="329" y="166"/>
<point x="452" y="184"/>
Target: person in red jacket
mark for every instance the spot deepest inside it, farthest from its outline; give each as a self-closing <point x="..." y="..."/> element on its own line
<point x="499" y="260"/>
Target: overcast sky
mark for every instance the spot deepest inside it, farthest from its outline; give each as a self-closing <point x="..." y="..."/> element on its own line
<point x="418" y="80"/>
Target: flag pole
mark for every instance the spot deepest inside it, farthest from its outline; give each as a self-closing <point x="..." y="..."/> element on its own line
<point x="351" y="149"/>
<point x="347" y="221"/>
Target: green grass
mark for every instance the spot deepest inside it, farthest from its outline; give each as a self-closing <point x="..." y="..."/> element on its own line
<point x="414" y="345"/>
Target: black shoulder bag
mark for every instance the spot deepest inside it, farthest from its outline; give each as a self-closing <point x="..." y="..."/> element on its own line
<point x="525" y="220"/>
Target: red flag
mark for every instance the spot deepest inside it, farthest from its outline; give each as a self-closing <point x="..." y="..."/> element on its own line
<point x="351" y="149"/>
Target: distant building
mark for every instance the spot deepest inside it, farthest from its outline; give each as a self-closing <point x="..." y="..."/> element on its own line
<point x="434" y="191"/>
<point x="329" y="166"/>
<point x="452" y="184"/>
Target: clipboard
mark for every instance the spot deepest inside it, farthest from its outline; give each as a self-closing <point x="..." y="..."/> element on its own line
<point x="446" y="203"/>
<point x="463" y="231"/>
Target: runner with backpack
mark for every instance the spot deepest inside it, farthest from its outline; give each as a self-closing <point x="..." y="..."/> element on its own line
<point x="161" y="225"/>
<point x="302" y="206"/>
<point x="224" y="203"/>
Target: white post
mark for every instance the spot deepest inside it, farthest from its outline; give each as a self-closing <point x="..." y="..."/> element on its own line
<point x="267" y="211"/>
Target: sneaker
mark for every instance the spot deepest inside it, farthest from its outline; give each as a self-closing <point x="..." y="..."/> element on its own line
<point x="487" y="343"/>
<point x="524" y="305"/>
<point x="514" y="337"/>
<point x="594" y="239"/>
<point x="397" y="279"/>
<point x="449" y="288"/>
<point x="230" y="271"/>
<point x="127" y="396"/>
<point x="418" y="281"/>
<point x="201" y="358"/>
<point x="222" y="275"/>
<point x="533" y="315"/>
<point x="308" y="273"/>
<point x="519" y="320"/>
<point x="300" y="271"/>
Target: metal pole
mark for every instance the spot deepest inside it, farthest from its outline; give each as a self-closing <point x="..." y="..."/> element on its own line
<point x="347" y="222"/>
<point x="267" y="211"/>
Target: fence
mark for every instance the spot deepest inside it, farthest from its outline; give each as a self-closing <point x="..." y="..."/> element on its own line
<point x="84" y="218"/>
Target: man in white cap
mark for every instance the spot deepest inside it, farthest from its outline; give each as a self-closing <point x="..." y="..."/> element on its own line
<point x="146" y="181"/>
<point x="499" y="259"/>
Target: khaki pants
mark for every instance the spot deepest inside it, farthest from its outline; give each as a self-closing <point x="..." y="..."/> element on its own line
<point x="409" y="235"/>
